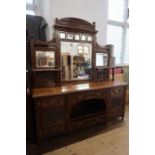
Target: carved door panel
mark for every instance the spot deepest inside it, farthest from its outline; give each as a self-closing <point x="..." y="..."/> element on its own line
<point x="116" y="102"/>
<point x="50" y="116"/>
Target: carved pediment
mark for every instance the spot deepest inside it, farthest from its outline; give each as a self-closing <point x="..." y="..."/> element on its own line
<point x="76" y="24"/>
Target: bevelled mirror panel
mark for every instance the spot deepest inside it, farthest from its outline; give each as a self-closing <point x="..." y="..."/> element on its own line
<point x="89" y="38"/>
<point x="70" y="36"/>
<point x="83" y="37"/>
<point x="77" y="37"/>
<point x="62" y="35"/>
<point x="45" y="59"/>
<point x="101" y="59"/>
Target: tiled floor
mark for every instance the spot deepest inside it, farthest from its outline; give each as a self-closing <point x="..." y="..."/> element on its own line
<point x="112" y="142"/>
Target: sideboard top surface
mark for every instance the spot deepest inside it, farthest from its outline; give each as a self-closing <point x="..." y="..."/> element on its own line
<point x="73" y="88"/>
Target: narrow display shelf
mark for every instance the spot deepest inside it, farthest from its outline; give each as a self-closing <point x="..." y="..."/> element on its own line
<point x="109" y="67"/>
<point x="46" y="69"/>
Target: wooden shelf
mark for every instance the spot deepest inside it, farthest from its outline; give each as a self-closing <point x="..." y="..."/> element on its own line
<point x="109" y="67"/>
<point x="45" y="70"/>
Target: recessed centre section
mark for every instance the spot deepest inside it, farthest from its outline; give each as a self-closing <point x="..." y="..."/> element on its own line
<point x="88" y="107"/>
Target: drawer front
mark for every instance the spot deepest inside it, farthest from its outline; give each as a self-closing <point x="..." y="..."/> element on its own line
<point x="116" y="92"/>
<point x="86" y="122"/>
<point x="75" y="98"/>
<point x="52" y="101"/>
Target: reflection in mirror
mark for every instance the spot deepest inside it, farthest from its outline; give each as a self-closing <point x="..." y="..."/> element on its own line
<point x="70" y="36"/>
<point x="76" y="60"/>
<point x="83" y="37"/>
<point x="45" y="59"/>
<point x="101" y="59"/>
<point x="62" y="35"/>
<point x="82" y="86"/>
<point x="89" y="38"/>
<point x="77" y="37"/>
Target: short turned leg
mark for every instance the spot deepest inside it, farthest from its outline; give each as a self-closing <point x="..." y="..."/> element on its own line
<point x="122" y="117"/>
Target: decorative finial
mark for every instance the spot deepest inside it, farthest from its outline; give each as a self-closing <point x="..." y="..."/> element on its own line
<point x="94" y="25"/>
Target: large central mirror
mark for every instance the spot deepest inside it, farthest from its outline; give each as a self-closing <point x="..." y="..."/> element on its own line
<point x="76" y="60"/>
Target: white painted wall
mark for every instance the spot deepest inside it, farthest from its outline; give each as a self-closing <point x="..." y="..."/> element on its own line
<point x="90" y="10"/>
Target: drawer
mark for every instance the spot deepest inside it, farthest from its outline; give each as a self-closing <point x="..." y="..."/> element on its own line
<point x="116" y="92"/>
<point x="87" y="122"/>
<point x="53" y="101"/>
<point x="87" y="95"/>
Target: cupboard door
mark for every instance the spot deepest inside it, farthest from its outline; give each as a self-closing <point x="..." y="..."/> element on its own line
<point x="50" y="116"/>
<point x="116" y="103"/>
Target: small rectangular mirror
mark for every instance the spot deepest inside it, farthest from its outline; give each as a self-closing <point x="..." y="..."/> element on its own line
<point x="83" y="37"/>
<point x="77" y="37"/>
<point x="62" y="35"/>
<point x="89" y="38"/>
<point x="70" y="36"/>
<point x="101" y="59"/>
<point x="45" y="59"/>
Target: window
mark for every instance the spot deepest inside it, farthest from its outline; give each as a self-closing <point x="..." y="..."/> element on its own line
<point x="29" y="1"/>
<point x="126" y="53"/>
<point x="115" y="37"/>
<point x="117" y="29"/>
<point x="29" y="12"/>
<point x="116" y="10"/>
<point x="31" y="7"/>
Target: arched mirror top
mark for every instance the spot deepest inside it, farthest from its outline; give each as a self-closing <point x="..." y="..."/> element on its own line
<point x="75" y="29"/>
<point x="75" y="24"/>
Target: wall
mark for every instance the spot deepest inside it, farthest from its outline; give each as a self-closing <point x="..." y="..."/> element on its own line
<point x="90" y="10"/>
